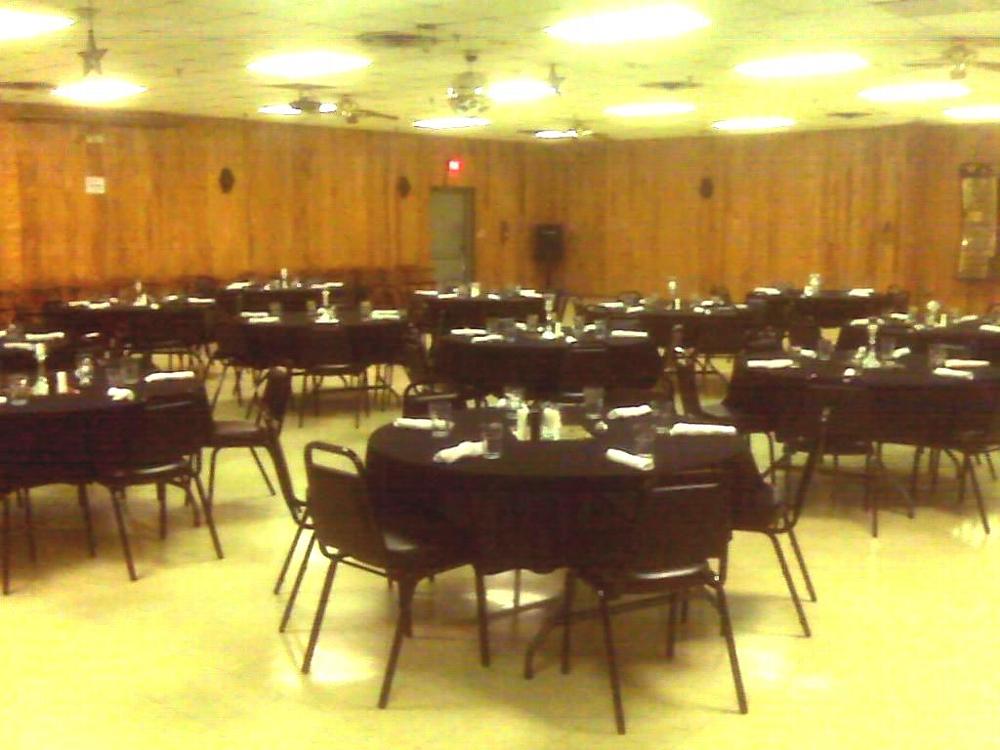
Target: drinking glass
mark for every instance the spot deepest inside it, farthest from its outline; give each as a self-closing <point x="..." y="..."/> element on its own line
<point x="365" y="308"/>
<point x="19" y="391"/>
<point x="664" y="415"/>
<point x="311" y="306"/>
<point x="440" y="413"/>
<point x="274" y="309"/>
<point x="936" y="355"/>
<point x="643" y="438"/>
<point x="130" y="371"/>
<point x="550" y="304"/>
<point x="593" y="402"/>
<point x="886" y="346"/>
<point x="493" y="325"/>
<point x="115" y="374"/>
<point x="474" y="289"/>
<point x="532" y="321"/>
<point x="601" y="327"/>
<point x="492" y="440"/>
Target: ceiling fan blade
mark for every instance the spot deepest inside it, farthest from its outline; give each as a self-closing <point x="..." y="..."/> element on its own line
<point x="929" y="64"/>
<point x="26" y="86"/>
<point x="372" y="113"/>
<point x="986" y="65"/>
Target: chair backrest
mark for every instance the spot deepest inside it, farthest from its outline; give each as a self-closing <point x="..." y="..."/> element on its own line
<point x="274" y="400"/>
<point x="687" y="386"/>
<point x="296" y="506"/>
<point x="584" y="365"/>
<point x="339" y="505"/>
<point x="722" y="335"/>
<point x="231" y="341"/>
<point x="828" y="413"/>
<point x="324" y="345"/>
<point x="418" y="397"/>
<point x="674" y="526"/>
<point x="803" y="332"/>
<point x="162" y="430"/>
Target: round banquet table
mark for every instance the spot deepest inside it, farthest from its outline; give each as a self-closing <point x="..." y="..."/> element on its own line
<point x="829" y="308"/>
<point x="291" y="299"/>
<point x="700" y="325"/>
<point x="543" y="504"/>
<point x="134" y="325"/>
<point x="908" y="403"/>
<point x="441" y="313"/>
<point x="288" y="340"/>
<point x="547" y="366"/>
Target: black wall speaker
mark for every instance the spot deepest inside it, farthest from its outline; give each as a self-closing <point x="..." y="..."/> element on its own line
<point x="549" y="243"/>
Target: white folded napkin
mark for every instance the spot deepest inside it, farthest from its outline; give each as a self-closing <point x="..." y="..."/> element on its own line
<point x="860" y="322"/>
<point x="900" y="352"/>
<point x="385" y="315"/>
<point x="770" y="364"/>
<point x="414" y="423"/>
<point x="53" y="336"/>
<point x="571" y="339"/>
<point x="612" y="305"/>
<point x="625" y="412"/>
<point x="960" y="364"/>
<point x="330" y="285"/>
<point x="99" y="305"/>
<point x="619" y="456"/>
<point x="770" y="290"/>
<point x="967" y="319"/>
<point x="690" y="428"/>
<point x="79" y="303"/>
<point x="468" y="331"/>
<point x="92" y="335"/>
<point x="698" y="309"/>
<point x="635" y="309"/>
<point x="465" y="449"/>
<point x="530" y="293"/>
<point x="989" y="328"/>
<point x="239" y="285"/>
<point x="265" y="319"/>
<point x="947" y="372"/>
<point x="251" y="314"/>
<point x="493" y="296"/>
<point x="199" y="300"/>
<point x="740" y="306"/>
<point x="426" y="292"/>
<point x="550" y="335"/>
<point x="326" y="321"/>
<point x="808" y="353"/>
<point x="121" y="394"/>
<point x="621" y="333"/>
<point x="850" y="372"/>
<point x="589" y="327"/>
<point x="171" y="298"/>
<point x="861" y="292"/>
<point x="899" y="316"/>
<point x="448" y="295"/>
<point x="487" y="338"/>
<point x="155" y="377"/>
<point x="521" y="326"/>
<point x="3" y="400"/>
<point x="22" y="345"/>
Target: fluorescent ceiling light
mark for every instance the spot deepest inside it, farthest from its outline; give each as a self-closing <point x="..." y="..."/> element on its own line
<point x="279" y="109"/>
<point x="752" y="124"/>
<point x="799" y="66"/>
<point x="16" y="24"/>
<point x="98" y="90"/>
<point x="635" y="25"/>
<point x="975" y="113"/>
<point x="510" y="92"/>
<point x="451" y="123"/>
<point x="915" y="92"/>
<point x="555" y="135"/>
<point x="650" y="109"/>
<point x="308" y="64"/>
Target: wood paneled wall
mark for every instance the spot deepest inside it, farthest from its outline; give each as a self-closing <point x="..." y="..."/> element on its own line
<point x="863" y="207"/>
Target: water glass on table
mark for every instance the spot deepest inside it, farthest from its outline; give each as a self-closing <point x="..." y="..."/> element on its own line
<point x="492" y="440"/>
<point x="593" y="401"/>
<point x="440" y="414"/>
<point x="18" y="389"/>
<point x="643" y="438"/>
<point x="664" y="415"/>
<point x="936" y="355"/>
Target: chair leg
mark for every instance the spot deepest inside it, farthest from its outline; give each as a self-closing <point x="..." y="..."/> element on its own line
<point x="802" y="564"/>
<point x="918" y="453"/>
<point x="288" y="559"/>
<point x="790" y="583"/>
<point x="218" y="387"/>
<point x="116" y="505"/>
<point x="161" y="498"/>
<point x="406" y="588"/>
<point x="318" y="619"/>
<point x="206" y="508"/>
<point x="88" y="522"/>
<point x="517" y="588"/>
<point x="212" y="459"/>
<point x="671" y="626"/>
<point x="29" y="523"/>
<point x="990" y="466"/>
<point x="567" y="611"/>
<point x="979" y="498"/>
<point x="302" y="398"/>
<point x="267" y="480"/>
<point x="609" y="647"/>
<point x="297" y="585"/>
<point x="727" y="629"/>
<point x="5" y="542"/>
<point x="482" y="621"/>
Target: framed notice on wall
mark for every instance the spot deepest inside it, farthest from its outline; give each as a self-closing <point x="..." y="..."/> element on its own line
<point x="977" y="253"/>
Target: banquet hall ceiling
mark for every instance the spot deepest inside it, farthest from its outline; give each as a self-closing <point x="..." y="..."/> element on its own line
<point x="192" y="56"/>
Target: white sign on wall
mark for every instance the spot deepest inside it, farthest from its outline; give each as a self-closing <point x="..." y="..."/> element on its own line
<point x="94" y="185"/>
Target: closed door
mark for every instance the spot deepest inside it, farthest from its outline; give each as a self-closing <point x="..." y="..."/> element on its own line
<point x="452" y="219"/>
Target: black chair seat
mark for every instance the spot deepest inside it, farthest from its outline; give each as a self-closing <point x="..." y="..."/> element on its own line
<point x="744" y="421"/>
<point x="236" y="433"/>
<point x="617" y="583"/>
<point x="759" y="511"/>
<point x="406" y="551"/>
<point x="146" y="474"/>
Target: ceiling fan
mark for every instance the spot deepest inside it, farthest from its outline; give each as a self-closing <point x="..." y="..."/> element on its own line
<point x="467" y="93"/>
<point x="29" y="87"/>
<point x="958" y="58"/>
<point x="576" y="131"/>
<point x="345" y="107"/>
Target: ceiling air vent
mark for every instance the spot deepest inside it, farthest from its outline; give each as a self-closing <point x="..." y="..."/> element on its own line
<point x="849" y="115"/>
<point x="398" y="39"/>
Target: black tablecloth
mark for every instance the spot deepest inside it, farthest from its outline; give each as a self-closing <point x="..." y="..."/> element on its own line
<point x="441" y="315"/>
<point x="828" y="309"/>
<point x="292" y="299"/>
<point x="542" y="505"/>
<point x="714" y="330"/>
<point x="547" y="366"/>
<point x="141" y="327"/>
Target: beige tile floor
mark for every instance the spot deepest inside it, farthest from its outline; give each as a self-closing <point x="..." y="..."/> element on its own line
<point x="904" y="653"/>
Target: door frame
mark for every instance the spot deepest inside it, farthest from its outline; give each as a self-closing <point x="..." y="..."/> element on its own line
<point x="470" y="223"/>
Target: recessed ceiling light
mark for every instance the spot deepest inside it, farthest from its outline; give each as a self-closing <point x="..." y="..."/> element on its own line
<point x="799" y="66"/>
<point x="752" y="124"/>
<point x="279" y="109"/>
<point x="635" y="25"/>
<point x="650" y="109"/>
<point x="451" y="123"/>
<point x="308" y="64"/>
<point x="98" y="90"/>
<point x="556" y="135"/>
<point x="16" y="24"/>
<point x="975" y="113"/>
<point x="527" y="90"/>
<point x="915" y="92"/>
